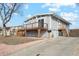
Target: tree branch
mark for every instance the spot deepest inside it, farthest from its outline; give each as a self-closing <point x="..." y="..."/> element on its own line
<point x="1" y="12"/>
<point x="6" y="12"/>
<point x="10" y="14"/>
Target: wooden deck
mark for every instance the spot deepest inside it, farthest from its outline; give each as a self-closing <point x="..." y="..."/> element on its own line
<point x="32" y="27"/>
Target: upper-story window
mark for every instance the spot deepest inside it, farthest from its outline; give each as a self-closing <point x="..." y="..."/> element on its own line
<point x="41" y="22"/>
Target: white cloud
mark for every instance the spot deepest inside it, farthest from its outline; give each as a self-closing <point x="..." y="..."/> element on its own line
<point x="72" y="5"/>
<point x="26" y="6"/>
<point x="16" y="14"/>
<point x="52" y="6"/>
<point x="68" y="4"/>
<point x="46" y="5"/>
<point x="52" y="9"/>
<point x="76" y="11"/>
<point x="72" y="17"/>
<point x="29" y="15"/>
<point x="56" y="6"/>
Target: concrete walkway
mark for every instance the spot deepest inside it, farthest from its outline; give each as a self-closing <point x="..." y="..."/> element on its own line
<point x="61" y="46"/>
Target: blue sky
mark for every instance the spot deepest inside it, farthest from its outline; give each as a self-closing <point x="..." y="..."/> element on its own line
<point x="67" y="11"/>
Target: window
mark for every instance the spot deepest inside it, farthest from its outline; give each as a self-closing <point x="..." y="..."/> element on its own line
<point x="41" y="23"/>
<point x="60" y="33"/>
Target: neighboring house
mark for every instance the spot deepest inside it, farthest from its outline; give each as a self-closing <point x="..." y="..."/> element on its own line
<point x="7" y="31"/>
<point x="17" y="30"/>
<point x="13" y="31"/>
<point x="74" y="32"/>
<point x="45" y="25"/>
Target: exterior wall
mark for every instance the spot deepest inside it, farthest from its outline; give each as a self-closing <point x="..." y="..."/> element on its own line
<point x="54" y="24"/>
<point x="47" y="19"/>
<point x="44" y="34"/>
<point x="54" y="27"/>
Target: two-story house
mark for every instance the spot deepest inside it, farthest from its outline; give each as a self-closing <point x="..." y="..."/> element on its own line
<point x="45" y="25"/>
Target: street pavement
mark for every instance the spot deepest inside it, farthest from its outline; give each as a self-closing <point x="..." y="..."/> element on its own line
<point x="60" y="46"/>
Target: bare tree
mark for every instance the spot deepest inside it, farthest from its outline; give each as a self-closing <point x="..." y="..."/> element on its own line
<point x="6" y="11"/>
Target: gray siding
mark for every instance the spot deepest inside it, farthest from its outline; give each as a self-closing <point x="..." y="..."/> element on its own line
<point x="54" y="27"/>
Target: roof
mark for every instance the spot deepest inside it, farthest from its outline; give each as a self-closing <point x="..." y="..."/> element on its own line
<point x="48" y="14"/>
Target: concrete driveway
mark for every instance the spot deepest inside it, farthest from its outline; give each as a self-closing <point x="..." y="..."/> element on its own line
<point x="61" y="46"/>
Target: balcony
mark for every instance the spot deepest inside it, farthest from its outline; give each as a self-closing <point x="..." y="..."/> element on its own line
<point x="61" y="27"/>
<point x="35" y="26"/>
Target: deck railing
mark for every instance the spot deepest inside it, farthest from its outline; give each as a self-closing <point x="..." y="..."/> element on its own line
<point x="36" y="25"/>
<point x="61" y="27"/>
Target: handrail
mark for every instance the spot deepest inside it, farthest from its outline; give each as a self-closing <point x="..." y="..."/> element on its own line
<point x="35" y="24"/>
<point x="61" y="27"/>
